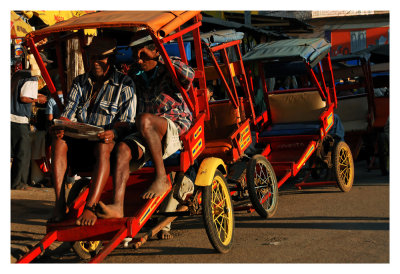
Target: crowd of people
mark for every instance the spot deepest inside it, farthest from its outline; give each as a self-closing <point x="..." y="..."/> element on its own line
<point x="142" y="113"/>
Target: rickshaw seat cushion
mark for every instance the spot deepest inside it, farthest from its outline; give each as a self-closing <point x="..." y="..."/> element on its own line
<point x="223" y="120"/>
<point x="217" y="147"/>
<point x="311" y="128"/>
<point x="296" y="107"/>
<point x="353" y="112"/>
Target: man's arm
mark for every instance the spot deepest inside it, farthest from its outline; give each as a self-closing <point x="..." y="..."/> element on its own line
<point x="73" y="100"/>
<point x="184" y="73"/>
<point x="29" y="93"/>
<point x="41" y="99"/>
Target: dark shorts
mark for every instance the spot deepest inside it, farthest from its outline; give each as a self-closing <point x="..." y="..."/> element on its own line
<point x="80" y="154"/>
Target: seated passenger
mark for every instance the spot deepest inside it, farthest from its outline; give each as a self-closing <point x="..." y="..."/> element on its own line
<point x="102" y="97"/>
<point x="162" y="117"/>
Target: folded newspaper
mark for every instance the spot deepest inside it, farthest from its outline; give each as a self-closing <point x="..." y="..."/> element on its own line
<point x="78" y="130"/>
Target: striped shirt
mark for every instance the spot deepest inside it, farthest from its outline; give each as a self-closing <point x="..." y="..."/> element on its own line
<point x="157" y="93"/>
<point x="116" y="101"/>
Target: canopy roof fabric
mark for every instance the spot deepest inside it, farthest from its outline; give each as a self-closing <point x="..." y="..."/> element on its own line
<point x="308" y="50"/>
<point x="156" y="21"/>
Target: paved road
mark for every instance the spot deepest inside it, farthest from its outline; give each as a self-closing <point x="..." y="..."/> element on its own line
<point x="315" y="225"/>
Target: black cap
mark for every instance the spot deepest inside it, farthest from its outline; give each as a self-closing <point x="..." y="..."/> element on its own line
<point x="45" y="59"/>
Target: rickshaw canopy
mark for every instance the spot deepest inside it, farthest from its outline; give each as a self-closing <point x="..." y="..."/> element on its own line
<point x="160" y="22"/>
<point x="307" y="50"/>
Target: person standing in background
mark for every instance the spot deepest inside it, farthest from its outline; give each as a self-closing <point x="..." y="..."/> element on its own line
<point x="24" y="92"/>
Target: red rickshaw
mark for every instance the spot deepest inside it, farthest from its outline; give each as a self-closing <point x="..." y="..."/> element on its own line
<point x="362" y="83"/>
<point x="210" y="197"/>
<point x="295" y="80"/>
<point x="251" y="178"/>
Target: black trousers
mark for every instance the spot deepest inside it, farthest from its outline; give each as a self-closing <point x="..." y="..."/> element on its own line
<point x="21" y="153"/>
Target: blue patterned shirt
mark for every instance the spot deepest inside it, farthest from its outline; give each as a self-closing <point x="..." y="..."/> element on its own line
<point x="116" y="101"/>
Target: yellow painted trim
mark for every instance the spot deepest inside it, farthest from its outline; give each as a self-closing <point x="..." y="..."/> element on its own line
<point x="197" y="148"/>
<point x="207" y="170"/>
<point x="300" y="165"/>
<point x="197" y="133"/>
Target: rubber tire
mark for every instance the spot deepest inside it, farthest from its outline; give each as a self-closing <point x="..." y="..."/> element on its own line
<point x="345" y="182"/>
<point x="78" y="246"/>
<point x="225" y="244"/>
<point x="265" y="210"/>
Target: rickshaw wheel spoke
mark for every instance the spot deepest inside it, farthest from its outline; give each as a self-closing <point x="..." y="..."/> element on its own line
<point x="262" y="186"/>
<point x="218" y="213"/>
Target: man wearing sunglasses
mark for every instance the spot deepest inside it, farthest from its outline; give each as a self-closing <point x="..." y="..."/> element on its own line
<point x="162" y="116"/>
<point x="102" y="97"/>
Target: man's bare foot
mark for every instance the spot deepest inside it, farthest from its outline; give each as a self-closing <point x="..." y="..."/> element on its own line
<point x="88" y="218"/>
<point x="110" y="211"/>
<point x="157" y="188"/>
<point x="164" y="235"/>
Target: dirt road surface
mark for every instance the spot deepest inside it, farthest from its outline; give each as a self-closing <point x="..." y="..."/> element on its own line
<point x="313" y="225"/>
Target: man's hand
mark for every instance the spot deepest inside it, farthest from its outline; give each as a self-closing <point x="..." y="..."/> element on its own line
<point x="59" y="133"/>
<point x="41" y="99"/>
<point x="106" y="136"/>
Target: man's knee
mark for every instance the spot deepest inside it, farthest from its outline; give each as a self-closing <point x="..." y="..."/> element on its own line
<point x="59" y="147"/>
<point x="102" y="151"/>
<point x="144" y="122"/>
<point x="123" y="153"/>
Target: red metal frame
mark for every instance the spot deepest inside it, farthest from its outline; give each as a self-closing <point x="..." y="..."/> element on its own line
<point x="241" y="138"/>
<point x="115" y="230"/>
<point x="294" y="160"/>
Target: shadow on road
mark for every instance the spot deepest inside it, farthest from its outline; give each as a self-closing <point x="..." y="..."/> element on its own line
<point x="316" y="225"/>
<point x="162" y="250"/>
<point x="30" y="212"/>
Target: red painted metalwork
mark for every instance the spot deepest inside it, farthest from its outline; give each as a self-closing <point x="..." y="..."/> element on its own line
<point x="315" y="81"/>
<point x="230" y="76"/>
<point x="261" y="74"/>
<point x="180" y="33"/>
<point x="288" y="154"/>
<point x="231" y="96"/>
<point x="225" y="45"/>
<point x="311" y="184"/>
<point x="246" y="84"/>
<point x="40" y="247"/>
<point x="115" y="241"/>
<point x="45" y="73"/>
<point x="138" y="210"/>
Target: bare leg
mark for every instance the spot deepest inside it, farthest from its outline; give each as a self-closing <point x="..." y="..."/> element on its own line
<point x="120" y="177"/>
<point x="100" y="175"/>
<point x="59" y="165"/>
<point x="153" y="129"/>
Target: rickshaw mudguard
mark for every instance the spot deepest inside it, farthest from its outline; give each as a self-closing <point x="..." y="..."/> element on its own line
<point x="207" y="170"/>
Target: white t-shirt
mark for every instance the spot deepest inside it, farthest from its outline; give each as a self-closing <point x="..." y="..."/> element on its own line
<point x="30" y="89"/>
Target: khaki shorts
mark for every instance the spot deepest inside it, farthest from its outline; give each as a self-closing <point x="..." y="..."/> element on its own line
<point x="171" y="143"/>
